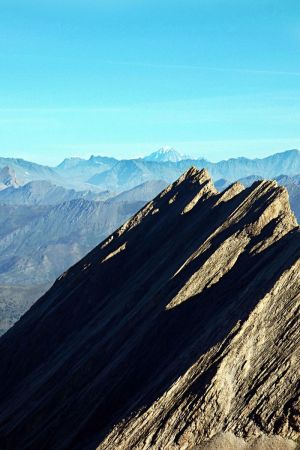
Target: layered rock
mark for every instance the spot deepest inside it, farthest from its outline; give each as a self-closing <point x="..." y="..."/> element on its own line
<point x="180" y="329"/>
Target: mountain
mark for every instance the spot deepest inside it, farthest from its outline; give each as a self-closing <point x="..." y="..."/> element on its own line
<point x="285" y="179"/>
<point x="27" y="171"/>
<point x="143" y="192"/>
<point x="40" y="246"/>
<point x="14" y="217"/>
<point x="180" y="330"/>
<point x="37" y="243"/>
<point x="80" y="170"/>
<point x="107" y="173"/>
<point x="71" y="173"/>
<point x="42" y="192"/>
<point x="293" y="186"/>
<point x="33" y="220"/>
<point x="8" y="178"/>
<point x="291" y="183"/>
<point x="287" y="162"/>
<point x="127" y="174"/>
<point x="70" y="163"/>
<point x="165" y="154"/>
<point x="15" y="300"/>
<point x="222" y="184"/>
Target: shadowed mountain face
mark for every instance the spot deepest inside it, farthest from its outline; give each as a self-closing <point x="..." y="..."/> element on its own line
<point x="183" y="324"/>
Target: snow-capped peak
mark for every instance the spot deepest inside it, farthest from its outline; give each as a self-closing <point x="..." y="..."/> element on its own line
<point x="165" y="154"/>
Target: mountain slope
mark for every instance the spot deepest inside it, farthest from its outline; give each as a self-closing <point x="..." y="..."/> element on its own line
<point x="37" y="243"/>
<point x="182" y="325"/>
<point x="27" y="171"/>
<point x="42" y="192"/>
<point x="8" y="178"/>
<point x="15" y="300"/>
<point x="127" y="174"/>
<point x="143" y="192"/>
<point x="294" y="193"/>
<point x="80" y="170"/>
<point x="43" y="247"/>
<point x="291" y="183"/>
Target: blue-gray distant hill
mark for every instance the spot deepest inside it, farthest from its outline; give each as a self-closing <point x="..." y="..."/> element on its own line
<point x="143" y="192"/>
<point x="27" y="171"/>
<point x="81" y="170"/>
<point x="43" y="192"/>
<point x="127" y="174"/>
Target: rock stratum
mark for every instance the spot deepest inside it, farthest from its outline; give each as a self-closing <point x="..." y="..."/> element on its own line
<point x="179" y="331"/>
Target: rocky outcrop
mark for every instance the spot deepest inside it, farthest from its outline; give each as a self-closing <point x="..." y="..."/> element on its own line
<point x="8" y="178"/>
<point x="179" y="331"/>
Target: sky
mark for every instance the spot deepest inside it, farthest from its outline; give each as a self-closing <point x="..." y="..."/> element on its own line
<point x="212" y="78"/>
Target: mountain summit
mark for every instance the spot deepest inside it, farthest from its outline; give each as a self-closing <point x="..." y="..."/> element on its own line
<point x="165" y="154"/>
<point x="179" y="330"/>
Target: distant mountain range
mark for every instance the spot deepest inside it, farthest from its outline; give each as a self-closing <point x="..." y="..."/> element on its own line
<point x="126" y="174"/>
<point x="143" y="192"/>
<point x="43" y="192"/>
<point x="105" y="173"/>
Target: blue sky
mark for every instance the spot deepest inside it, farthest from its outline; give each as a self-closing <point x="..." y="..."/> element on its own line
<point x="213" y="78"/>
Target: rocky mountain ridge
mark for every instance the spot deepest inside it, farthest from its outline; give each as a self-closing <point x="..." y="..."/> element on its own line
<point x="197" y="337"/>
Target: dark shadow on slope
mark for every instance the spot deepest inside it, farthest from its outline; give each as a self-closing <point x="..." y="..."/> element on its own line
<point x="178" y="337"/>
